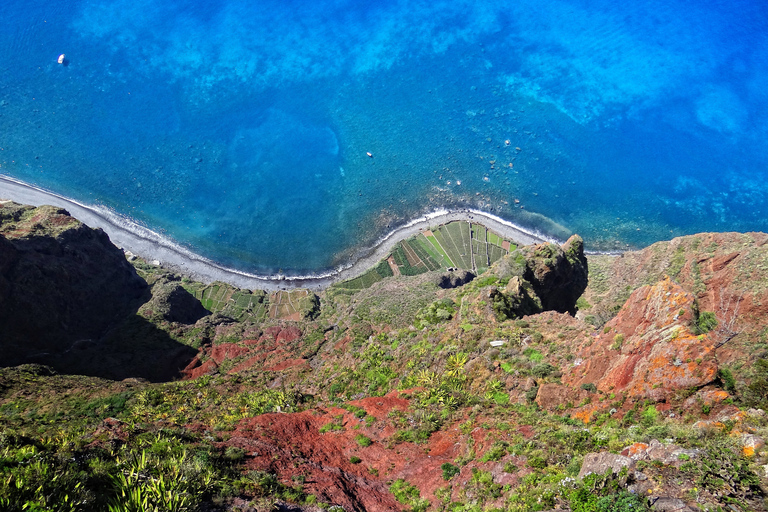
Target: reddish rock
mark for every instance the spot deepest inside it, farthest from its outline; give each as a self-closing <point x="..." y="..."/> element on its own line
<point x="195" y="369"/>
<point x="726" y="272"/>
<point x="648" y="349"/>
<point x="288" y="334"/>
<point x="227" y="351"/>
<point x="273" y="331"/>
<point x="291" y="444"/>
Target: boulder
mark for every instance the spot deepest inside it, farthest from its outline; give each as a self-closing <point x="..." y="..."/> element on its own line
<point x="667" y="454"/>
<point x="667" y="504"/>
<point x="601" y="462"/>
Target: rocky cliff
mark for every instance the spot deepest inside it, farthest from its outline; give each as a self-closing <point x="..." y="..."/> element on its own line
<point x="550" y="381"/>
<point x="61" y="283"/>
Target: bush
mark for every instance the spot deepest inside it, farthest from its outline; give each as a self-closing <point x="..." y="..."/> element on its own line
<point x="497" y="451"/>
<point x="408" y="494"/>
<point x="649" y="416"/>
<point x="449" y="470"/>
<point x="707" y="321"/>
<point x="363" y="440"/>
<point x="723" y="469"/>
<point x="234" y="453"/>
<point x="588" y="386"/>
<point x="533" y="354"/>
<point x="726" y="377"/>
<point x="542" y="370"/>
<point x="439" y="311"/>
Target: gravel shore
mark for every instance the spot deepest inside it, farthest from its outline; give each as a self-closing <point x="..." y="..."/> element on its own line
<point x="153" y="247"/>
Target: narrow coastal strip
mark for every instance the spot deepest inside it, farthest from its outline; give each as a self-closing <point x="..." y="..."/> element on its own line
<point x="152" y="246"/>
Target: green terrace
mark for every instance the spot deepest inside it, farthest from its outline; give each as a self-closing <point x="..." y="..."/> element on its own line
<point x="459" y="244"/>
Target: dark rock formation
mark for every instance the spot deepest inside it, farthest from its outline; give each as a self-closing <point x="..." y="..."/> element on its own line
<point x="60" y="282"/>
<point x="454" y="279"/>
<point x="558" y="274"/>
<point x="542" y="277"/>
<point x="172" y="303"/>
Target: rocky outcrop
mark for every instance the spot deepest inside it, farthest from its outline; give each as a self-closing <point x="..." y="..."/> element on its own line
<point x="60" y="282"/>
<point x="454" y="279"/>
<point x="648" y="350"/>
<point x="599" y="463"/>
<point x="727" y="273"/>
<point x="172" y="303"/>
<point x="540" y="278"/>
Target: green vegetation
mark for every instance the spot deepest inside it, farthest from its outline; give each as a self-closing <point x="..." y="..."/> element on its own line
<point x="705" y="322"/>
<point x="408" y="494"/>
<point x="222" y="298"/>
<point x="456" y="244"/>
<point x="412" y="369"/>
<point x="449" y="470"/>
<point x="439" y="311"/>
<point x="363" y="440"/>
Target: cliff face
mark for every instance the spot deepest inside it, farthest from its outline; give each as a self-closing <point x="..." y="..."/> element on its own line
<point x="60" y="282"/>
<point x="725" y="273"/>
<point x="419" y="392"/>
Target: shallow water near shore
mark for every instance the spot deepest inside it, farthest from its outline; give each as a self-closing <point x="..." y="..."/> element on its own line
<point x="242" y="130"/>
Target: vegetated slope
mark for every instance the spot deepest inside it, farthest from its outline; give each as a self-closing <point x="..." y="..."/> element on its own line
<point x="412" y="395"/>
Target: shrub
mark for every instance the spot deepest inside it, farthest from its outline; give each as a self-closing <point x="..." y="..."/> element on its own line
<point x="363" y="440"/>
<point x="439" y="311"/>
<point x="588" y="386"/>
<point x="723" y="469"/>
<point x="533" y="354"/>
<point x="510" y="467"/>
<point x="542" y="370"/>
<point x="449" y="470"/>
<point x="408" y="494"/>
<point x="706" y="321"/>
<point x="234" y="453"/>
<point x="355" y="459"/>
<point x="649" y="416"/>
<point x="726" y="377"/>
<point x="497" y="451"/>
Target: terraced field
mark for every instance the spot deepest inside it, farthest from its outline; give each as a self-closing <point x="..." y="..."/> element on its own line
<point x="293" y="304"/>
<point x="230" y="301"/>
<point x="460" y="244"/>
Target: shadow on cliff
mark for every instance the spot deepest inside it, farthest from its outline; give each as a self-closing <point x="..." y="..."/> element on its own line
<point x="135" y="348"/>
<point x="69" y="299"/>
<point x="129" y="346"/>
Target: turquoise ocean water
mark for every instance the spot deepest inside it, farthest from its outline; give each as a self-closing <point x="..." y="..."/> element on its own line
<point x="240" y="129"/>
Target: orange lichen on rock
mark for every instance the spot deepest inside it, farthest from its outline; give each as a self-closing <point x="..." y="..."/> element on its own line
<point x="648" y="350"/>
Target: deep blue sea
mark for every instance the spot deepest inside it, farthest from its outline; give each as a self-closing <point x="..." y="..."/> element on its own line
<point x="241" y="129"/>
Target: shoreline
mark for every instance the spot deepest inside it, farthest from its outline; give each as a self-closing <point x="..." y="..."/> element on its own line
<point x="153" y="247"/>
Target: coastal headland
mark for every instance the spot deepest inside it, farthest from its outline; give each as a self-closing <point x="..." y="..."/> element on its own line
<point x="154" y="247"/>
